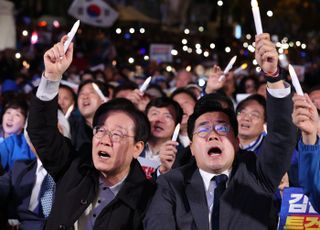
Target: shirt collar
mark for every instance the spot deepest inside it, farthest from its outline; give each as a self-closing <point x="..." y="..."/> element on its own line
<point x="115" y="188"/>
<point x="207" y="177"/>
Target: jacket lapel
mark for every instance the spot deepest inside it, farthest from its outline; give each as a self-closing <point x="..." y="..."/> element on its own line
<point x="197" y="199"/>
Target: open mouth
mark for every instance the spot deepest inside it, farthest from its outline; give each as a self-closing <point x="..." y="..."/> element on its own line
<point x="245" y="126"/>
<point x="9" y="125"/>
<point x="158" y="128"/>
<point x="103" y="154"/>
<point x="214" y="151"/>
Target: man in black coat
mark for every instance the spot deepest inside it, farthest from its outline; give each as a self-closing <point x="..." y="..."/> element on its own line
<point x="104" y="189"/>
<point x="225" y="189"/>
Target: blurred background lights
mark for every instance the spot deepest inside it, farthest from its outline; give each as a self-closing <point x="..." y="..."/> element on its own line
<point x="212" y="46"/>
<point x="118" y="31"/>
<point x="142" y="30"/>
<point x="56" y="23"/>
<point x="146" y="57"/>
<point x="34" y="38"/>
<point x="17" y="55"/>
<point x="220" y="3"/>
<point x="201" y="28"/>
<point x="303" y="46"/>
<point x="184" y="41"/>
<point x="25" y="33"/>
<point x="186" y="31"/>
<point x="227" y="49"/>
<point x="174" y="52"/>
<point x="206" y="53"/>
<point x="132" y="30"/>
<point x="188" y="68"/>
<point x="254" y="62"/>
<point x="131" y="60"/>
<point x="269" y="13"/>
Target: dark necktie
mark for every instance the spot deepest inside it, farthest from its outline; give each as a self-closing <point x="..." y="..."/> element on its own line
<point x="221" y="181"/>
<point x="46" y="195"/>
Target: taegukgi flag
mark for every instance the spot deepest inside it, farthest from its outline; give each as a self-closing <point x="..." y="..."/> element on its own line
<point x="93" y="12"/>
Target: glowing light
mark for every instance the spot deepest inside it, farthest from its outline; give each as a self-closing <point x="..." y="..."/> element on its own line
<point x="199" y="51"/>
<point x="254" y="62"/>
<point x="291" y="44"/>
<point x="56" y="23"/>
<point x="146" y="57"/>
<point x="131" y="60"/>
<point x="132" y="30"/>
<point x="142" y="30"/>
<point x="227" y="49"/>
<point x="114" y="62"/>
<point x="186" y="31"/>
<point x="26" y="64"/>
<point x="17" y="55"/>
<point x="251" y="48"/>
<point x="198" y="46"/>
<point x="206" y="53"/>
<point x="245" y="44"/>
<point x="280" y="51"/>
<point x="201" y="82"/>
<point x="118" y="31"/>
<point x="25" y="33"/>
<point x="34" y="38"/>
<point x="248" y="36"/>
<point x="185" y="48"/>
<point x="269" y="13"/>
<point x="42" y="24"/>
<point x="258" y="69"/>
<point x="298" y="43"/>
<point x="220" y="3"/>
<point x="303" y="46"/>
<point x="188" y="68"/>
<point x="174" y="52"/>
<point x="212" y="46"/>
<point x="184" y="41"/>
<point x="201" y="28"/>
<point x="189" y="50"/>
<point x="169" y="68"/>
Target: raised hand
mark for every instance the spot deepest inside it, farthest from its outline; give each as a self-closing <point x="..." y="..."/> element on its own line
<point x="266" y="54"/>
<point x="213" y="83"/>
<point x="305" y="117"/>
<point x="167" y="154"/>
<point x="56" y="62"/>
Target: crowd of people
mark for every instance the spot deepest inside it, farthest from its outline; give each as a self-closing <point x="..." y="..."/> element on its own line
<point x="91" y="150"/>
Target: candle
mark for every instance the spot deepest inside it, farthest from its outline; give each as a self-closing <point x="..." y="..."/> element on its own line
<point x="228" y="68"/>
<point x="256" y="16"/>
<point x="176" y="132"/>
<point x="98" y="91"/>
<point x="242" y="67"/>
<point x="145" y="84"/>
<point x="68" y="113"/>
<point x="295" y="80"/>
<point x="71" y="35"/>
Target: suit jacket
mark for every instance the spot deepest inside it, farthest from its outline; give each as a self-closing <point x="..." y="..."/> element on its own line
<point x="15" y="191"/>
<point x="77" y="180"/>
<point x="180" y="199"/>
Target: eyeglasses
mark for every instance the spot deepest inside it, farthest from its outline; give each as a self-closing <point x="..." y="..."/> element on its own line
<point x="252" y="115"/>
<point x="115" y="135"/>
<point x="204" y="131"/>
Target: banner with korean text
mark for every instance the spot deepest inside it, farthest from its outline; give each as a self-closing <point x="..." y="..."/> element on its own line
<point x="297" y="212"/>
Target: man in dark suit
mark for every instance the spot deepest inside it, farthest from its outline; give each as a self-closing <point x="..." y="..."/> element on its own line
<point x="193" y="196"/>
<point x="22" y="188"/>
<point x="102" y="188"/>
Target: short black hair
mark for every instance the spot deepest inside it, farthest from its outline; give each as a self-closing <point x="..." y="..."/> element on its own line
<point x="161" y="102"/>
<point x="74" y="96"/>
<point x="207" y="104"/>
<point x="17" y="104"/>
<point x="257" y="98"/>
<point x="185" y="91"/>
<point x="220" y="97"/>
<point x="100" y="84"/>
<point x="140" y="120"/>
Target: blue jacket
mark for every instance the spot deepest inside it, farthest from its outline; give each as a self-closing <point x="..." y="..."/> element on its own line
<point x="14" y="148"/>
<point x="309" y="172"/>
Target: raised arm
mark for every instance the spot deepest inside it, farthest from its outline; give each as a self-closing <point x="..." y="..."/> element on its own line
<point x="53" y="149"/>
<point x="279" y="144"/>
<point x="305" y="117"/>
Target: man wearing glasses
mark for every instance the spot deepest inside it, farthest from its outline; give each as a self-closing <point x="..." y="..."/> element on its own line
<point x="224" y="189"/>
<point x="102" y="188"/>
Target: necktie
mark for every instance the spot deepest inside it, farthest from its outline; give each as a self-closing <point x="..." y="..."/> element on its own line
<point x="221" y="181"/>
<point x="46" y="195"/>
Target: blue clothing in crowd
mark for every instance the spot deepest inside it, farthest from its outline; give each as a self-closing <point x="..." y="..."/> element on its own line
<point x="14" y="148"/>
<point x="309" y="172"/>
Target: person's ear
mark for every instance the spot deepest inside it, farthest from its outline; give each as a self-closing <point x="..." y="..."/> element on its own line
<point x="138" y="148"/>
